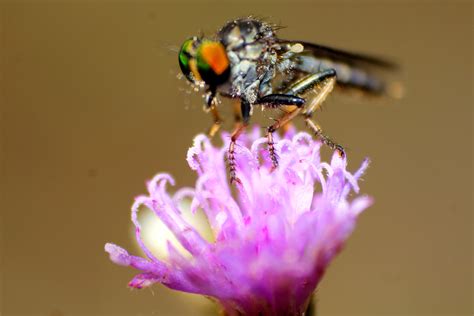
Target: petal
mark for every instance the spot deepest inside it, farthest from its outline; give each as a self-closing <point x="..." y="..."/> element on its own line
<point x="118" y="255"/>
<point x="143" y="280"/>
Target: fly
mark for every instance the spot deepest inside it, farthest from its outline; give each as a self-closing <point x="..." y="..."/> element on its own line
<point x="248" y="62"/>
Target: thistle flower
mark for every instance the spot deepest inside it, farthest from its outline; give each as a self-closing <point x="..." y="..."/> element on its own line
<point x="274" y="237"/>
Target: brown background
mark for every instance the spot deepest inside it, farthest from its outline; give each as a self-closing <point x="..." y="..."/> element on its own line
<point x="91" y="108"/>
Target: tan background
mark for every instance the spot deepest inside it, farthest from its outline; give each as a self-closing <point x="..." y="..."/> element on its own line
<point x="91" y="108"/>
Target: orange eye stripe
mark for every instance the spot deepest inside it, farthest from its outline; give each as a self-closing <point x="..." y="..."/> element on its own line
<point x="214" y="54"/>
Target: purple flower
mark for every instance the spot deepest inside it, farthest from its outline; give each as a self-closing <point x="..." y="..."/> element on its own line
<point x="274" y="237"/>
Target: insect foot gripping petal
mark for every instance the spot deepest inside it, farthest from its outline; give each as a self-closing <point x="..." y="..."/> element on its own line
<point x="232" y="164"/>
<point x="273" y="128"/>
<point x="275" y="101"/>
<point x="231" y="153"/>
<point x="271" y="147"/>
<point x="246" y="110"/>
<point x="340" y="150"/>
<point x="318" y="132"/>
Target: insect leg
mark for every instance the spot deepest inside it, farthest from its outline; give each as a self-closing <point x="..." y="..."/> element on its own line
<point x="217" y="121"/>
<point x="321" y="85"/>
<point x="314" y="88"/>
<point x="246" y="110"/>
<point x="236" y="110"/>
<point x="317" y="131"/>
<point x="285" y="102"/>
<point x="285" y="119"/>
<point x="211" y="106"/>
<point x="275" y="101"/>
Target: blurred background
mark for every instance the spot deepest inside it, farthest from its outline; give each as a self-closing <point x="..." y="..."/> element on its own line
<point x="91" y="107"/>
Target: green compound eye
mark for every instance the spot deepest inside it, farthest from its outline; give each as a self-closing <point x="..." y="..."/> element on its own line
<point x="184" y="58"/>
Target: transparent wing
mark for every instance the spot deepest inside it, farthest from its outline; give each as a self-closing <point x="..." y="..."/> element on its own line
<point x="353" y="59"/>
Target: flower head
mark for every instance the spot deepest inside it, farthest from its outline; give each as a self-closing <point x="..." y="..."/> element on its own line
<point x="274" y="237"/>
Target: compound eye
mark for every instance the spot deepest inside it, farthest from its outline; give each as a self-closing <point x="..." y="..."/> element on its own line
<point x="185" y="58"/>
<point x="212" y="63"/>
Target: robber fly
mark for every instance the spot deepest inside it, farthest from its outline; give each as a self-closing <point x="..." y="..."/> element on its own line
<point x="248" y="62"/>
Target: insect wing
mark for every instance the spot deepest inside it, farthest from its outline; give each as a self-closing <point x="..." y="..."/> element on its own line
<point x="353" y="59"/>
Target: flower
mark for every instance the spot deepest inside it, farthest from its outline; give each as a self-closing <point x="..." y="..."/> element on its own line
<point x="274" y="237"/>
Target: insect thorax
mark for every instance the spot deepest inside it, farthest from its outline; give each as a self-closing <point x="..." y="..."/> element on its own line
<point x="249" y="45"/>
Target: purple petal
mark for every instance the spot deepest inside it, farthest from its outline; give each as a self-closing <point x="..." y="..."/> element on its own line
<point x="274" y="237"/>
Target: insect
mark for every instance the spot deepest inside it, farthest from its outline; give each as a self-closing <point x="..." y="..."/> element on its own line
<point x="248" y="62"/>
